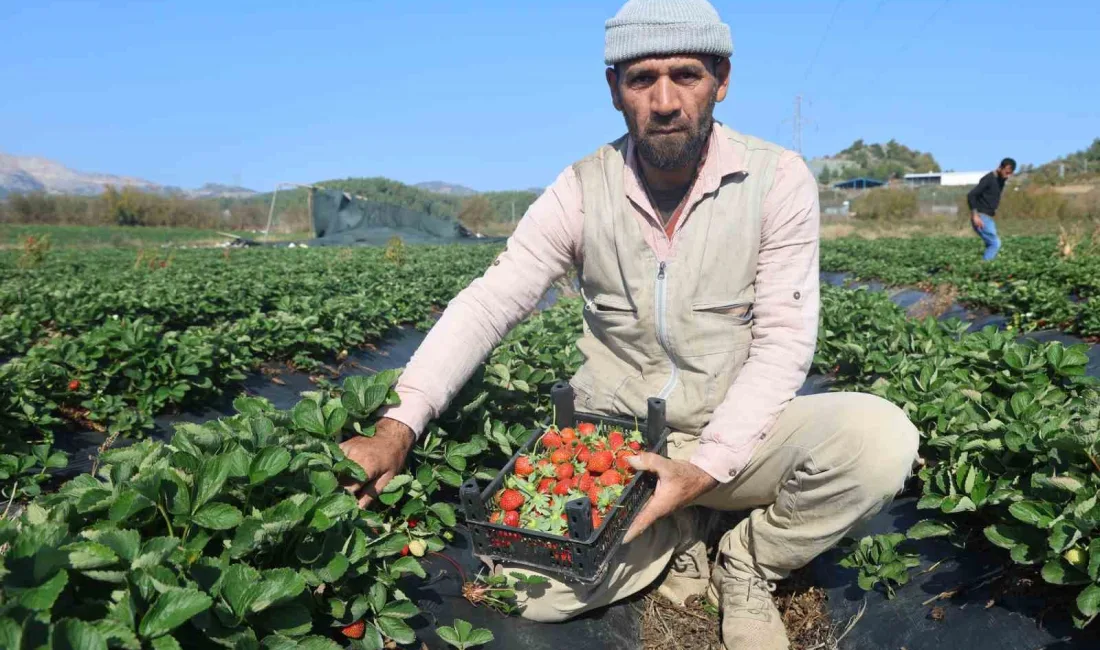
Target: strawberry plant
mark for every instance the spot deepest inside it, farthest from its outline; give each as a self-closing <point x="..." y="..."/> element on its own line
<point x="234" y="533"/>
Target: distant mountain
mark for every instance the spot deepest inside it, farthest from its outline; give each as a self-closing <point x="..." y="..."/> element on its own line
<point x="439" y="187"/>
<point x="23" y="174"/>
<point x="879" y="161"/>
<point x="217" y="190"/>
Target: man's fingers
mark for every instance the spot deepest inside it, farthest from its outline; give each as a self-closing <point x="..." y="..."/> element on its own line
<point x="365" y="501"/>
<point x="652" y="511"/>
<point x="646" y="461"/>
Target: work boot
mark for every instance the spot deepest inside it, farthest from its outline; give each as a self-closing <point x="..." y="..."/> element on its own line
<point x="689" y="571"/>
<point x="750" y="619"/>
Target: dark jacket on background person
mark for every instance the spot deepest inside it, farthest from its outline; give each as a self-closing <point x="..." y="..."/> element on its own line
<point x="986" y="195"/>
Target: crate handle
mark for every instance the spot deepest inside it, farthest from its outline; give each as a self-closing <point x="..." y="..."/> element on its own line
<point x="578" y="517"/>
<point x="470" y="496"/>
<point x="655" y="421"/>
<point x="562" y="395"/>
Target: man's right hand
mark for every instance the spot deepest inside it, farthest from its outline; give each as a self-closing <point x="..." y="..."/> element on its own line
<point x="976" y="219"/>
<point x="382" y="456"/>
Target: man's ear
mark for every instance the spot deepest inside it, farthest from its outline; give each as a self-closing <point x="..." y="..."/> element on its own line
<point x="613" y="85"/>
<point x="722" y="72"/>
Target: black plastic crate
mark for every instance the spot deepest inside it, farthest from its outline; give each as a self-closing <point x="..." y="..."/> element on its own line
<point x="581" y="557"/>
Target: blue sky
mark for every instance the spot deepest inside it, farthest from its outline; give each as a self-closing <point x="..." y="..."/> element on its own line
<point x="502" y="95"/>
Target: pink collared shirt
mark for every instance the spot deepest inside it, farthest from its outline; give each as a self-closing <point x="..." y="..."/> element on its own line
<point x="548" y="241"/>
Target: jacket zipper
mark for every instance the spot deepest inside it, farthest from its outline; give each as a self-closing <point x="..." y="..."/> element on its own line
<point x="662" y="330"/>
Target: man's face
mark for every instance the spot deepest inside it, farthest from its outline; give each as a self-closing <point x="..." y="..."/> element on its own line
<point x="1005" y="171"/>
<point x="668" y="104"/>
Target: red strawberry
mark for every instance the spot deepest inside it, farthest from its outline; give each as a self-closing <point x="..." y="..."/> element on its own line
<point x="564" y="471"/>
<point x="546" y="485"/>
<point x="511" y="500"/>
<point x="615" y="438"/>
<point x="621" y="463"/>
<point x="582" y="452"/>
<point x="495" y="517"/>
<point x="635" y="445"/>
<point x="611" y="477"/>
<point x="404" y="550"/>
<point x="544" y="462"/>
<point x="596" y="518"/>
<point x="355" y="631"/>
<point x="413" y="522"/>
<point x="594" y="494"/>
<point x="560" y="456"/>
<point x="568" y="435"/>
<point x="599" y="445"/>
<point x="563" y="487"/>
<point x="586" y="428"/>
<point x="511" y="518"/>
<point x="551" y="439"/>
<point x="524" y="466"/>
<point x="74" y="385"/>
<point x="600" y="462"/>
<point x="586" y="481"/>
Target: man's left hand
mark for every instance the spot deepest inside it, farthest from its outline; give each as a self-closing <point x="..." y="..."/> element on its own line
<point x="678" y="484"/>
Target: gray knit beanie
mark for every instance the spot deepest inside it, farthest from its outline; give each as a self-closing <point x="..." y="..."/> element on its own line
<point x="663" y="27"/>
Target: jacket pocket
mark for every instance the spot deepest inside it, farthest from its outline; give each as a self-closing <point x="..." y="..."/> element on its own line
<point x="735" y="309"/>
<point x="608" y="304"/>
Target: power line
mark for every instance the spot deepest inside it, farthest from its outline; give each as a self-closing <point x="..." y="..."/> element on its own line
<point x="824" y="37"/>
<point x="863" y="30"/>
<point x="905" y="46"/>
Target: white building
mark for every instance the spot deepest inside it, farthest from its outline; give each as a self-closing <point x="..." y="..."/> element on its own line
<point x="945" y="178"/>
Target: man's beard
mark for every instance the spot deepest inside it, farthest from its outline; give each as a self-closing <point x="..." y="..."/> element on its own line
<point x="668" y="152"/>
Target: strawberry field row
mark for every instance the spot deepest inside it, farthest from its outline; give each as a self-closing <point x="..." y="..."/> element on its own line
<point x="107" y="343"/>
<point x="1030" y="281"/>
<point x="1010" y="437"/>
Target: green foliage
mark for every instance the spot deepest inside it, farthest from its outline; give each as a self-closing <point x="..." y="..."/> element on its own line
<point x="884" y="161"/>
<point x="880" y="561"/>
<point x="1080" y="165"/>
<point x="1029" y="282"/>
<point x="886" y="204"/>
<point x="463" y="635"/>
<point x="1010" y="435"/>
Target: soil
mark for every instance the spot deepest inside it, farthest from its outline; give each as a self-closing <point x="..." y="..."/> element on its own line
<point x="697" y="626"/>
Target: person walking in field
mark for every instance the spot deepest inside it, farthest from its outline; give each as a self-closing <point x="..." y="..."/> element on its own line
<point x="697" y="253"/>
<point x="983" y="200"/>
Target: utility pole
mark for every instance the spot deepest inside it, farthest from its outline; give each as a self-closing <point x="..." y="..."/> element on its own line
<point x="513" y="211"/>
<point x="798" y="123"/>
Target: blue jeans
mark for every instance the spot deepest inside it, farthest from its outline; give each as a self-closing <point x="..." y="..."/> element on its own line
<point x="988" y="233"/>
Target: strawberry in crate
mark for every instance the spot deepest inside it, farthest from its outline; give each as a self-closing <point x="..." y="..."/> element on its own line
<point x="567" y="464"/>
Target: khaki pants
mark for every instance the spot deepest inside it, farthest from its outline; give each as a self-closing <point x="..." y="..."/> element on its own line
<point x="830" y="462"/>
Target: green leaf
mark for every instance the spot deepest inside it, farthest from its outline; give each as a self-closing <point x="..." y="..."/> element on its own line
<point x="218" y="516"/>
<point x="1088" y="601"/>
<point x="278" y="586"/>
<point x="308" y="417"/>
<point x="42" y="597"/>
<point x="240" y="588"/>
<point x="1007" y="537"/>
<point x="957" y="503"/>
<point x="323" y="482"/>
<point x="477" y="637"/>
<point x="445" y="512"/>
<point x="210" y="480"/>
<point x="407" y="564"/>
<point x="74" y="634"/>
<point x="449" y="635"/>
<point x="90" y="555"/>
<point x="1032" y="512"/>
<point x="1063" y="535"/>
<point x="1054" y="572"/>
<point x="171" y="609"/>
<point x="126" y="543"/>
<point x="11" y="635"/>
<point x="1021" y="403"/>
<point x="400" y="609"/>
<point x="166" y="643"/>
<point x="929" y="528"/>
<point x="396" y="629"/>
<point x="292" y="619"/>
<point x="268" y="463"/>
<point x="128" y="503"/>
<point x="1094" y="558"/>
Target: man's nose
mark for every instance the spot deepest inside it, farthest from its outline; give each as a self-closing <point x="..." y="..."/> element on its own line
<point x="666" y="101"/>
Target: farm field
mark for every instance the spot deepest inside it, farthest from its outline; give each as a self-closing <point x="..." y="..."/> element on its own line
<point x="13" y="235"/>
<point x="234" y="533"/>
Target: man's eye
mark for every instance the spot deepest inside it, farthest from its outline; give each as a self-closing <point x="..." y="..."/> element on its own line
<point x="640" y="81"/>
